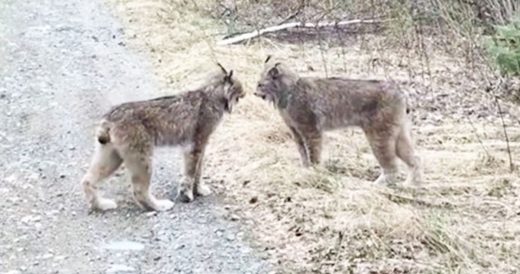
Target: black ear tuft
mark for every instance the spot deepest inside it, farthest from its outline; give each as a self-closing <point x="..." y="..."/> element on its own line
<point x="227" y="78"/>
<point x="268" y="58"/>
<point x="222" y="68"/>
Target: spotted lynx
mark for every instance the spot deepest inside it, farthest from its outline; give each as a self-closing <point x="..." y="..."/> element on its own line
<point x="129" y="132"/>
<point x="310" y="106"/>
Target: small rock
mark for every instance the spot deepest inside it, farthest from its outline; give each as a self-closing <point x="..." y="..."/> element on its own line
<point x="47" y="256"/>
<point x="59" y="258"/>
<point x="151" y="213"/>
<point x="230" y="237"/>
<point x="234" y="218"/>
<point x="124" y="245"/>
<point x="62" y="176"/>
<point x="120" y="268"/>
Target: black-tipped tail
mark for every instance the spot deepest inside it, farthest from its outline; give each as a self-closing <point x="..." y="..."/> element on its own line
<point x="103" y="133"/>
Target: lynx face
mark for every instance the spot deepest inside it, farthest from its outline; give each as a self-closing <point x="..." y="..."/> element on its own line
<point x="268" y="85"/>
<point x="233" y="90"/>
<point x="274" y="81"/>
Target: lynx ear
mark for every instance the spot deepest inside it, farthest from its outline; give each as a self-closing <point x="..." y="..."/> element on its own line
<point x="274" y="72"/>
<point x="227" y="78"/>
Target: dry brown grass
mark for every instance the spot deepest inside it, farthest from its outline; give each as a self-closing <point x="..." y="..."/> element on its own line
<point x="464" y="219"/>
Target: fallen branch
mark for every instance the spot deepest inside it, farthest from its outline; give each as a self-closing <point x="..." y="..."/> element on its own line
<point x="402" y="199"/>
<point x="285" y="26"/>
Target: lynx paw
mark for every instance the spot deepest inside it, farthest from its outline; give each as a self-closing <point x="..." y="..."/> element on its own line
<point x="385" y="180"/>
<point x="185" y="195"/>
<point x="104" y="204"/>
<point x="203" y="190"/>
<point x="163" y="205"/>
<point x="413" y="180"/>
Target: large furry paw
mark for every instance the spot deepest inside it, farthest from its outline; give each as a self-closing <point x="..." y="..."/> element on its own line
<point x="305" y="162"/>
<point x="202" y="190"/>
<point x="185" y="195"/>
<point x="163" y="205"/>
<point x="413" y="180"/>
<point x="104" y="204"/>
<point x="385" y="180"/>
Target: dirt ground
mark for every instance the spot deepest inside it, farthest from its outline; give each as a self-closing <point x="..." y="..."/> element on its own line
<point x="464" y="218"/>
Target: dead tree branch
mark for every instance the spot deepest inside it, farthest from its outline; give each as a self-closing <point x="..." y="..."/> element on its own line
<point x="285" y="26"/>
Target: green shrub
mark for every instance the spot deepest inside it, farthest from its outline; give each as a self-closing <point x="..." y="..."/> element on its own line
<point x="504" y="47"/>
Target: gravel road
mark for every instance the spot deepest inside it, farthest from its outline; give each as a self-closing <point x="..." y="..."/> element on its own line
<point x="63" y="63"/>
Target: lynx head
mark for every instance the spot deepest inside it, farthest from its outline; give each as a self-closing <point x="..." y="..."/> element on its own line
<point x="231" y="88"/>
<point x="276" y="81"/>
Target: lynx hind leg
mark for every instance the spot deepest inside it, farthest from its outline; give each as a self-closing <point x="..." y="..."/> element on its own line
<point x="139" y="165"/>
<point x="406" y="152"/>
<point x="383" y="144"/>
<point x="104" y="162"/>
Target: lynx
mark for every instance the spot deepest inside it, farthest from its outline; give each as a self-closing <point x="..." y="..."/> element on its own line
<point x="310" y="106"/>
<point x="129" y="132"/>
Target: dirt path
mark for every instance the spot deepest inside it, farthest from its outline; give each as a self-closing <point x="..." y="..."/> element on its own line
<point x="61" y="65"/>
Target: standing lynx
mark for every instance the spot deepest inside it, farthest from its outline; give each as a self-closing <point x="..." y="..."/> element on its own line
<point x="310" y="106"/>
<point x="129" y="132"/>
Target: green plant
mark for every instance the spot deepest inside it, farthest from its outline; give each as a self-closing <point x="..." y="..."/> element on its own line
<point x="504" y="47"/>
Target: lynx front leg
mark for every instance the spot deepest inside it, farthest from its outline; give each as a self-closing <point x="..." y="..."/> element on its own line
<point x="201" y="189"/>
<point x="191" y="178"/>
<point x="313" y="142"/>
<point x="298" y="139"/>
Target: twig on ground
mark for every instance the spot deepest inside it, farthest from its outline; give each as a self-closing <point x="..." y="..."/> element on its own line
<point x="397" y="198"/>
<point x="285" y="26"/>
<point x="478" y="137"/>
<point x="511" y="165"/>
<point x="294" y="14"/>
